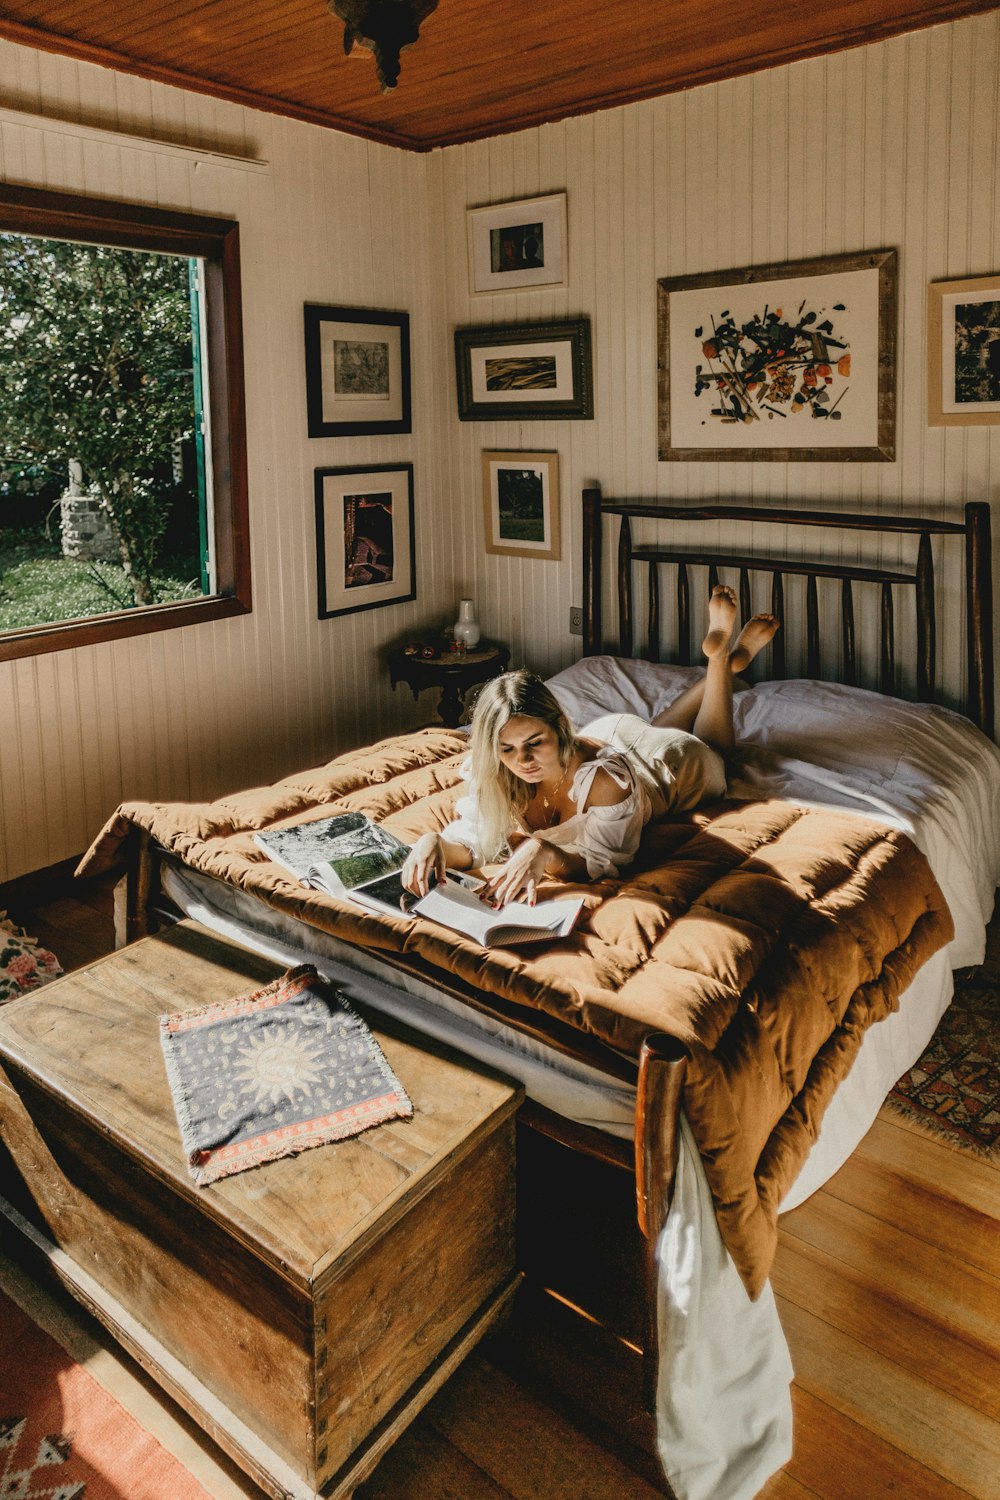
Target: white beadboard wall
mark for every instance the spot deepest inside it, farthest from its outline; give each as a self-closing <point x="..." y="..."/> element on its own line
<point x="192" y="713"/>
<point x="892" y="145"/>
<point x="896" y="144"/>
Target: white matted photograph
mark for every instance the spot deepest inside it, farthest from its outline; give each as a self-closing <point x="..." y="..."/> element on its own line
<point x="521" y="504"/>
<point x="517" y="245"/>
<point x="525" y="370"/>
<point x="357" y="371"/>
<point x="963" y="352"/>
<point x="365" y="553"/>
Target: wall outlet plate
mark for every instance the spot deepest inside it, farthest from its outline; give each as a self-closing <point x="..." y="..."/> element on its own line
<point x="576" y="620"/>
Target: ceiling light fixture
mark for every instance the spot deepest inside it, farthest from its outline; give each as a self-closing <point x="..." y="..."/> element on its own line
<point x="387" y="27"/>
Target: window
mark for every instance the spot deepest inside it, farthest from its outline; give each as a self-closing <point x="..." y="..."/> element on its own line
<point x="123" y="505"/>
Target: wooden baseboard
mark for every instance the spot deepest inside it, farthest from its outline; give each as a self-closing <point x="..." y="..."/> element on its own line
<point x="37" y="885"/>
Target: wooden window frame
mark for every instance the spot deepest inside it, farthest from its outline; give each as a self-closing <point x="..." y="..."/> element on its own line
<point x="216" y="242"/>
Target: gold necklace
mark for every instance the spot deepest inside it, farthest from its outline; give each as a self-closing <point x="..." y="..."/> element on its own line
<point x="546" y="803"/>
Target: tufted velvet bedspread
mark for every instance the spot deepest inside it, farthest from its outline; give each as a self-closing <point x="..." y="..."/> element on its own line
<point x="766" y="937"/>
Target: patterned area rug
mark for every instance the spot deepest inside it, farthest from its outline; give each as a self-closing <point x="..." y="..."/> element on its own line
<point x="23" y="964"/>
<point x="954" y="1087"/>
<point x="64" y="1437"/>
<point x="272" y="1073"/>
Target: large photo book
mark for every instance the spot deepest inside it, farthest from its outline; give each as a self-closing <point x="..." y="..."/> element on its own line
<point x="352" y="858"/>
<point x="342" y="852"/>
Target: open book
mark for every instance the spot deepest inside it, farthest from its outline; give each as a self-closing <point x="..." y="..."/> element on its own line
<point x="350" y="857"/>
<point x="500" y="927"/>
<point x="335" y="854"/>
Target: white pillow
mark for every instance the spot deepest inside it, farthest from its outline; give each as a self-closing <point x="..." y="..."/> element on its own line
<point x="597" y="685"/>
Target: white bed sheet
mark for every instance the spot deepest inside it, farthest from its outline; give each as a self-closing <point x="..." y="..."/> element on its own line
<point x="723" y="1399"/>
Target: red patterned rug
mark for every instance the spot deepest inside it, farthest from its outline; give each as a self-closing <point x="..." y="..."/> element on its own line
<point x="954" y="1087"/>
<point x="64" y="1437"/>
<point x="23" y="966"/>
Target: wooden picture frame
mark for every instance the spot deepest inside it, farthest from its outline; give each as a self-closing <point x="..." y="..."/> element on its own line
<point x="357" y="371"/>
<point x="783" y="362"/>
<point x="525" y="370"/>
<point x="521" y="504"/>
<point x="963" y="352"/>
<point x="365" y="545"/>
<point x="518" y="245"/>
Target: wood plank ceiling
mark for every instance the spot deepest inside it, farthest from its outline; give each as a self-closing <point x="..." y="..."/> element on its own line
<point x="479" y="68"/>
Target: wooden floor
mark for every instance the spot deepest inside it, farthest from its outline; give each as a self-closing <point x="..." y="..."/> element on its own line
<point x="888" y="1284"/>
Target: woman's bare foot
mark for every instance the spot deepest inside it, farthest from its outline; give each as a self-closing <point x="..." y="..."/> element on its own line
<point x="752" y="638"/>
<point x="722" y="608"/>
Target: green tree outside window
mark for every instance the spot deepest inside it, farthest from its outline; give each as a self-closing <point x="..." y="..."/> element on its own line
<point x="96" y="366"/>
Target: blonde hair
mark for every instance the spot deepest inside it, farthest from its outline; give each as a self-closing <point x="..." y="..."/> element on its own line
<point x="499" y="794"/>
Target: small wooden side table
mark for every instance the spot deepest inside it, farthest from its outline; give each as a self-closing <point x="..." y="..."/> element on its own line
<point x="453" y="672"/>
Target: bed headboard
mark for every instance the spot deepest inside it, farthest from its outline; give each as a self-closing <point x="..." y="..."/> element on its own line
<point x="975" y="529"/>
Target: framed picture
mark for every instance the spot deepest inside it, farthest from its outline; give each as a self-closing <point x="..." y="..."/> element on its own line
<point x="357" y="371"/>
<point x="963" y="352"/>
<point x="784" y="362"/>
<point x="517" y="245"/>
<point x="365" y="554"/>
<point x="521" y="503"/>
<point x="525" y="370"/>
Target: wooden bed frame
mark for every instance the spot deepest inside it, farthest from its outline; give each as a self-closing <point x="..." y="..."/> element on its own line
<point x="660" y="1072"/>
<point x="662" y="1061"/>
<point x="975" y="529"/>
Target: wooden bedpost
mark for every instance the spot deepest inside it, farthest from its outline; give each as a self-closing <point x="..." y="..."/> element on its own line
<point x="134" y="892"/>
<point x="662" y="1063"/>
<point x="592" y="571"/>
<point x="979" y="613"/>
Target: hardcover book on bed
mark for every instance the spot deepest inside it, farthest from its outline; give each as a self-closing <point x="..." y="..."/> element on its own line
<point x="339" y="855"/>
<point x="498" y="927"/>
<point x="352" y="858"/>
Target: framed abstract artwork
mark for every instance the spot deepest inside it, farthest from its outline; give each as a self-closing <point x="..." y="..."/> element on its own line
<point x="357" y="371"/>
<point x="365" y="553"/>
<point x="963" y="352"/>
<point x="784" y="362"/>
<point x="521" y="504"/>
<point x="525" y="370"/>
<point x="518" y="245"/>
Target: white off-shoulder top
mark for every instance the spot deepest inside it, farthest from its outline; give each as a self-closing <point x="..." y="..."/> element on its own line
<point x="606" y="838"/>
<point x="660" y="770"/>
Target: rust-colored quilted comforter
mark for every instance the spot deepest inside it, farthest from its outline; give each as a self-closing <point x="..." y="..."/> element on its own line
<point x="766" y="937"/>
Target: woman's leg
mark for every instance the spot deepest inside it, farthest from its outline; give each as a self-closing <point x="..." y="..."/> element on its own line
<point x="714" y="720"/>
<point x="682" y="713"/>
<point x="754" y="636"/>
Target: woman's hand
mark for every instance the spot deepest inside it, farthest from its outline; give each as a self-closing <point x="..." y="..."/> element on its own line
<point x="518" y="878"/>
<point x="425" y="864"/>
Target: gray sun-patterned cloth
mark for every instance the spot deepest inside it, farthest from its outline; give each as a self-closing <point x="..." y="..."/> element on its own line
<point x="272" y="1073"/>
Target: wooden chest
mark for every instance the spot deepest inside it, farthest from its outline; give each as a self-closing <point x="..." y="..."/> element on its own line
<point x="303" y="1311"/>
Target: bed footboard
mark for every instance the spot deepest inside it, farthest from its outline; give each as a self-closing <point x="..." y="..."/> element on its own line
<point x="662" y="1065"/>
<point x="137" y="890"/>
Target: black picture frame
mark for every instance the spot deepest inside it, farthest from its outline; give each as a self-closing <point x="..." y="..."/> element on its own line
<point x="384" y="407"/>
<point x="557" y="355"/>
<point x="347" y="579"/>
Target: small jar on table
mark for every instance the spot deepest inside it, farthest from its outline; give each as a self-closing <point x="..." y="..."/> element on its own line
<point x="453" y="673"/>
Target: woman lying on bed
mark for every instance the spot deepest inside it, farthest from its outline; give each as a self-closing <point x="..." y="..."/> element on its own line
<point x="574" y="807"/>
